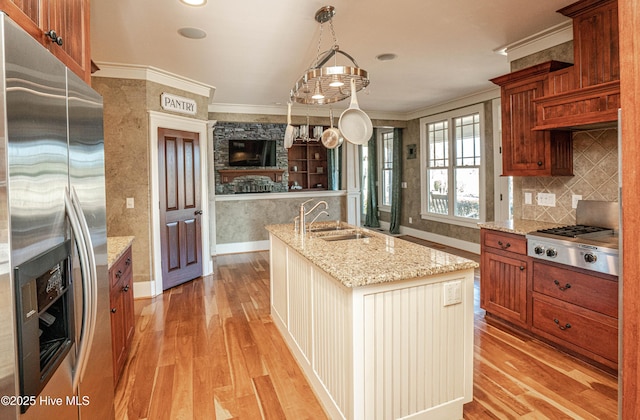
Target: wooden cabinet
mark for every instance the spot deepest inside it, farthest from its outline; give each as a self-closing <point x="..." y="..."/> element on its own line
<point x="122" y="315"/>
<point x="596" y="51"/>
<point x="576" y="310"/>
<point x="591" y="92"/>
<point x="503" y="276"/>
<point x="526" y="152"/>
<point x="308" y="166"/>
<point x="70" y="21"/>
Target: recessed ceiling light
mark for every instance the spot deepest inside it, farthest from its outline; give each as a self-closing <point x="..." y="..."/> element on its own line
<point x="192" y="33"/>
<point x="386" y="57"/>
<point x="194" y="2"/>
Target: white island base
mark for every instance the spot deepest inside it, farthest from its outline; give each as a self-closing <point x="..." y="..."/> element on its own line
<point x="391" y="350"/>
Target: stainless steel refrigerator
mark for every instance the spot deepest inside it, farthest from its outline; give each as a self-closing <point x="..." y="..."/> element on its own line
<point x="55" y="335"/>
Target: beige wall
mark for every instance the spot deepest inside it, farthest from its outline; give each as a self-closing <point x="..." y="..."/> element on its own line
<point x="127" y="159"/>
<point x="411" y="196"/>
<point x="244" y="220"/>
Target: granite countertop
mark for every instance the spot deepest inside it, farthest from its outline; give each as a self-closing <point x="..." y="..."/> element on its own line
<point x="379" y="258"/>
<point x="519" y="226"/>
<point x="116" y="246"/>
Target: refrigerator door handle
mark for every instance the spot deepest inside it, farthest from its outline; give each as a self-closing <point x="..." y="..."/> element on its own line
<point x="92" y="280"/>
<point x="83" y="344"/>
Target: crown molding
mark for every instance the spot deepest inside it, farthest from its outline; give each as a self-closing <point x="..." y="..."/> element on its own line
<point x="153" y="74"/>
<point x="540" y="41"/>
<point x="301" y="110"/>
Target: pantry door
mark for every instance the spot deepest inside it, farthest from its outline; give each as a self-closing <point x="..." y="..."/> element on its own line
<point x="180" y="206"/>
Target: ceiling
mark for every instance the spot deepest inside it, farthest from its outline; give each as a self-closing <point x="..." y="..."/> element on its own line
<point x="255" y="50"/>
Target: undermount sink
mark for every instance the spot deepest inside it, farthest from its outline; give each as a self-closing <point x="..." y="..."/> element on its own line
<point x="350" y="236"/>
<point x="326" y="229"/>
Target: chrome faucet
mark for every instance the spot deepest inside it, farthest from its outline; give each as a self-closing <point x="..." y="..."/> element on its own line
<point x="304" y="213"/>
<point x="316" y="218"/>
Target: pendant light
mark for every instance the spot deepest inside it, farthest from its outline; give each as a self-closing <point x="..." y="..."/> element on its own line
<point x="322" y="84"/>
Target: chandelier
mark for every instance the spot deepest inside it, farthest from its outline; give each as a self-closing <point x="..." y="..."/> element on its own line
<point x="321" y="84"/>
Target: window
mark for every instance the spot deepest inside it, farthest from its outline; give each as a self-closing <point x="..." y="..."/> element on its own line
<point x="451" y="166"/>
<point x="385" y="147"/>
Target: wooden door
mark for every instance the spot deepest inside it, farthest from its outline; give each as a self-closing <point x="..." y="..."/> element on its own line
<point x="180" y="212"/>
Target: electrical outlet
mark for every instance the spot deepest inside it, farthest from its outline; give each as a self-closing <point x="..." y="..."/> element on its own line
<point x="403" y="185"/>
<point x="410" y="220"/>
<point x="574" y="200"/>
<point x="546" y="199"/>
<point x="130" y="203"/>
<point x="452" y="293"/>
<point x="527" y="198"/>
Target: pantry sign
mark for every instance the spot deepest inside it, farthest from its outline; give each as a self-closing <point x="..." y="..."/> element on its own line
<point x="179" y="104"/>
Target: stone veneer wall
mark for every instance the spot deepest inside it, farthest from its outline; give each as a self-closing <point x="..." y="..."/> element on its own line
<point x="595" y="168"/>
<point x="225" y="131"/>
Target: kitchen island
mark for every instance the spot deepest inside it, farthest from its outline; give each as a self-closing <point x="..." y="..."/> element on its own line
<point x="381" y="327"/>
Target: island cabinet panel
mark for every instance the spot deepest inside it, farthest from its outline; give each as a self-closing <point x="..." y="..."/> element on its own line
<point x="381" y="351"/>
<point x="278" y="264"/>
<point x="503" y="278"/>
<point x="332" y="345"/>
<point x="396" y="323"/>
<point x="299" y="281"/>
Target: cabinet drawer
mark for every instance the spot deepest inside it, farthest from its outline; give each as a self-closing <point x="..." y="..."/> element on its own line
<point x="571" y="324"/>
<point x="121" y="268"/>
<point x="505" y="241"/>
<point x="591" y="292"/>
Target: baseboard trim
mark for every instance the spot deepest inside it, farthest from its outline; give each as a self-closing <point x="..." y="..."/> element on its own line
<point x="443" y="240"/>
<point x="143" y="289"/>
<point x="239" y="247"/>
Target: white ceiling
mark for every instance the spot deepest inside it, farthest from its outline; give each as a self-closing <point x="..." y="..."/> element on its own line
<point x="255" y="50"/>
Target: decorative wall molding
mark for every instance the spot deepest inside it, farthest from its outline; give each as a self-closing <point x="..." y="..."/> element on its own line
<point x="153" y="74"/>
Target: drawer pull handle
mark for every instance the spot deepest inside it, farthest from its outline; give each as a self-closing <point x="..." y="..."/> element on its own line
<point x="125" y="288"/>
<point x="128" y="261"/>
<point x="504" y="246"/>
<point x="563" y="288"/>
<point x="119" y="274"/>
<point x="562" y="327"/>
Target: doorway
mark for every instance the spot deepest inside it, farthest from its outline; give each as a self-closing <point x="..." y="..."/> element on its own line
<point x="180" y="206"/>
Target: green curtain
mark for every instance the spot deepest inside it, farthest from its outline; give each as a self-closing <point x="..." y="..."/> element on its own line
<point x="396" y="181"/>
<point x="331" y="176"/>
<point x="371" y="216"/>
<point x="334" y="168"/>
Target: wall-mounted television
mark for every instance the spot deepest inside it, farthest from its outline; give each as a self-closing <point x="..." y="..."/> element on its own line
<point x="252" y="152"/>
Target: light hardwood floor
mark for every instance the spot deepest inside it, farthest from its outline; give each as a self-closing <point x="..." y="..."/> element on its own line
<point x="208" y="350"/>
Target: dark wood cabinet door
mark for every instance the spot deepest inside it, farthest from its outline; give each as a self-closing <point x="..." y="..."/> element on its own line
<point x="122" y="311"/>
<point x="523" y="150"/>
<point x="70" y="20"/>
<point x="503" y="287"/>
<point x="595" y="41"/>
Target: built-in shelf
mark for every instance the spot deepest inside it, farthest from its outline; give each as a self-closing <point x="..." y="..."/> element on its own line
<point x="228" y="175"/>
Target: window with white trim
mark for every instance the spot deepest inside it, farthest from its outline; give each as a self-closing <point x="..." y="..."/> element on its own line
<point x="385" y="142"/>
<point x="451" y="166"/>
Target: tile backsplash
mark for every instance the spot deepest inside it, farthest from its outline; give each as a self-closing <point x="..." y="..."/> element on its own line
<point x="595" y="168"/>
